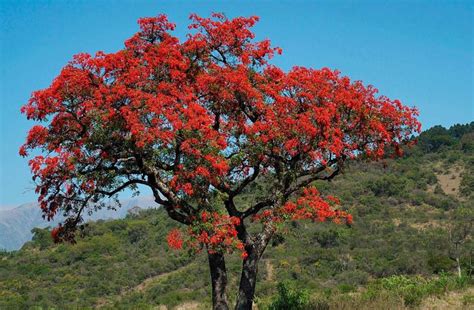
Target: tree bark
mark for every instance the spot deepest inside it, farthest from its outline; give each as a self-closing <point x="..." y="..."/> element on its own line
<point x="248" y="278"/>
<point x="219" y="281"/>
<point x="248" y="281"/>
<point x="458" y="263"/>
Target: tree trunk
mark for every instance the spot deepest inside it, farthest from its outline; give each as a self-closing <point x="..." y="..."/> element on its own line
<point x="219" y="281"/>
<point x="248" y="280"/>
<point x="458" y="263"/>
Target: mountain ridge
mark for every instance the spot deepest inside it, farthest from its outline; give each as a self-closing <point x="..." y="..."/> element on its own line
<point x="16" y="223"/>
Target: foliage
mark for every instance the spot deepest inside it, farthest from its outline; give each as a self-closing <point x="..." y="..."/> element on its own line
<point x="438" y="137"/>
<point x="290" y="297"/>
<point x="414" y="289"/>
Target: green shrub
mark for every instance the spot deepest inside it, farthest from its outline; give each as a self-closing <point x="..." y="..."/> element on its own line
<point x="318" y="304"/>
<point x="346" y="288"/>
<point x="468" y="299"/>
<point x="390" y="185"/>
<point x="439" y="263"/>
<point x="289" y="297"/>
<point x="353" y="278"/>
<point x="414" y="289"/>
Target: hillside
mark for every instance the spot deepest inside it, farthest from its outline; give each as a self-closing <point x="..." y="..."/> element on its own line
<point x="16" y="224"/>
<point x="398" y="253"/>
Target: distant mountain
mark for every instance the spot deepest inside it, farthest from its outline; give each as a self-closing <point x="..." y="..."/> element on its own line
<point x="16" y="224"/>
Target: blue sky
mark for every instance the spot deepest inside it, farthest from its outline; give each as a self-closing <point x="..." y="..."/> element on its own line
<point x="420" y="52"/>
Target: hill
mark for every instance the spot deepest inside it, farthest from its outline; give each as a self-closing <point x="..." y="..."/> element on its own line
<point x="16" y="224"/>
<point x="411" y="216"/>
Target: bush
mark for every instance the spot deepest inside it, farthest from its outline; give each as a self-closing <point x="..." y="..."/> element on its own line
<point x="353" y="278"/>
<point x="467" y="183"/>
<point x="346" y="288"/>
<point x="319" y="304"/>
<point x="468" y="300"/>
<point x="329" y="238"/>
<point x="414" y="289"/>
<point x="439" y="263"/>
<point x="390" y="186"/>
<point x="289" y="297"/>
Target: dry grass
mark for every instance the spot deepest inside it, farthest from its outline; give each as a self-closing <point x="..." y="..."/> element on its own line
<point x="450" y="181"/>
<point x="269" y="270"/>
<point x="451" y="301"/>
<point x="149" y="281"/>
<point x="144" y="285"/>
<point x="193" y="305"/>
<point x="428" y="225"/>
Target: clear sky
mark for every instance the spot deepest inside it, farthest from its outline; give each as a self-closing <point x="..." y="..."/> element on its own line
<point x="420" y="52"/>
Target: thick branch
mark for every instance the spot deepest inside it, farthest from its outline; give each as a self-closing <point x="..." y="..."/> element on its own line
<point x="121" y="187"/>
<point x="246" y="181"/>
<point x="259" y="206"/>
<point x="324" y="172"/>
<point x="173" y="206"/>
<point x="230" y="207"/>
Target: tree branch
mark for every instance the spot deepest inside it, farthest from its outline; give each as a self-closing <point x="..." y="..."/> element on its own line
<point x="246" y="181"/>
<point x="257" y="207"/>
<point x="121" y="187"/>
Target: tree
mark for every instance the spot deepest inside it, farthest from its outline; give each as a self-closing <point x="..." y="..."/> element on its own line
<point x="460" y="230"/>
<point x="435" y="138"/>
<point x="41" y="237"/>
<point x="198" y="122"/>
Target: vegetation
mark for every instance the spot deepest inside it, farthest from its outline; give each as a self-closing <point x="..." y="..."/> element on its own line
<point x="397" y="253"/>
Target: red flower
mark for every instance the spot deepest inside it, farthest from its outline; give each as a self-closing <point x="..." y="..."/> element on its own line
<point x="174" y="239"/>
<point x="56" y="233"/>
<point x="188" y="189"/>
<point x="204" y="216"/>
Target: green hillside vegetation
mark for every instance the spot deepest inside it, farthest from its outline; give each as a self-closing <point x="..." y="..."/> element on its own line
<point x="413" y="221"/>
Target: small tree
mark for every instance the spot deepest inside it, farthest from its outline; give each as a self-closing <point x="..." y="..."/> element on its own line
<point x="197" y="122"/>
<point x="460" y="229"/>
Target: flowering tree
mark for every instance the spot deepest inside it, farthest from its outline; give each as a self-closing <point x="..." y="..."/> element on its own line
<point x="197" y="122"/>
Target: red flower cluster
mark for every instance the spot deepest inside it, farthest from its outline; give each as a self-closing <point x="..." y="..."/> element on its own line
<point x="174" y="239"/>
<point x="55" y="233"/>
<point x="310" y="205"/>
<point x="216" y="232"/>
